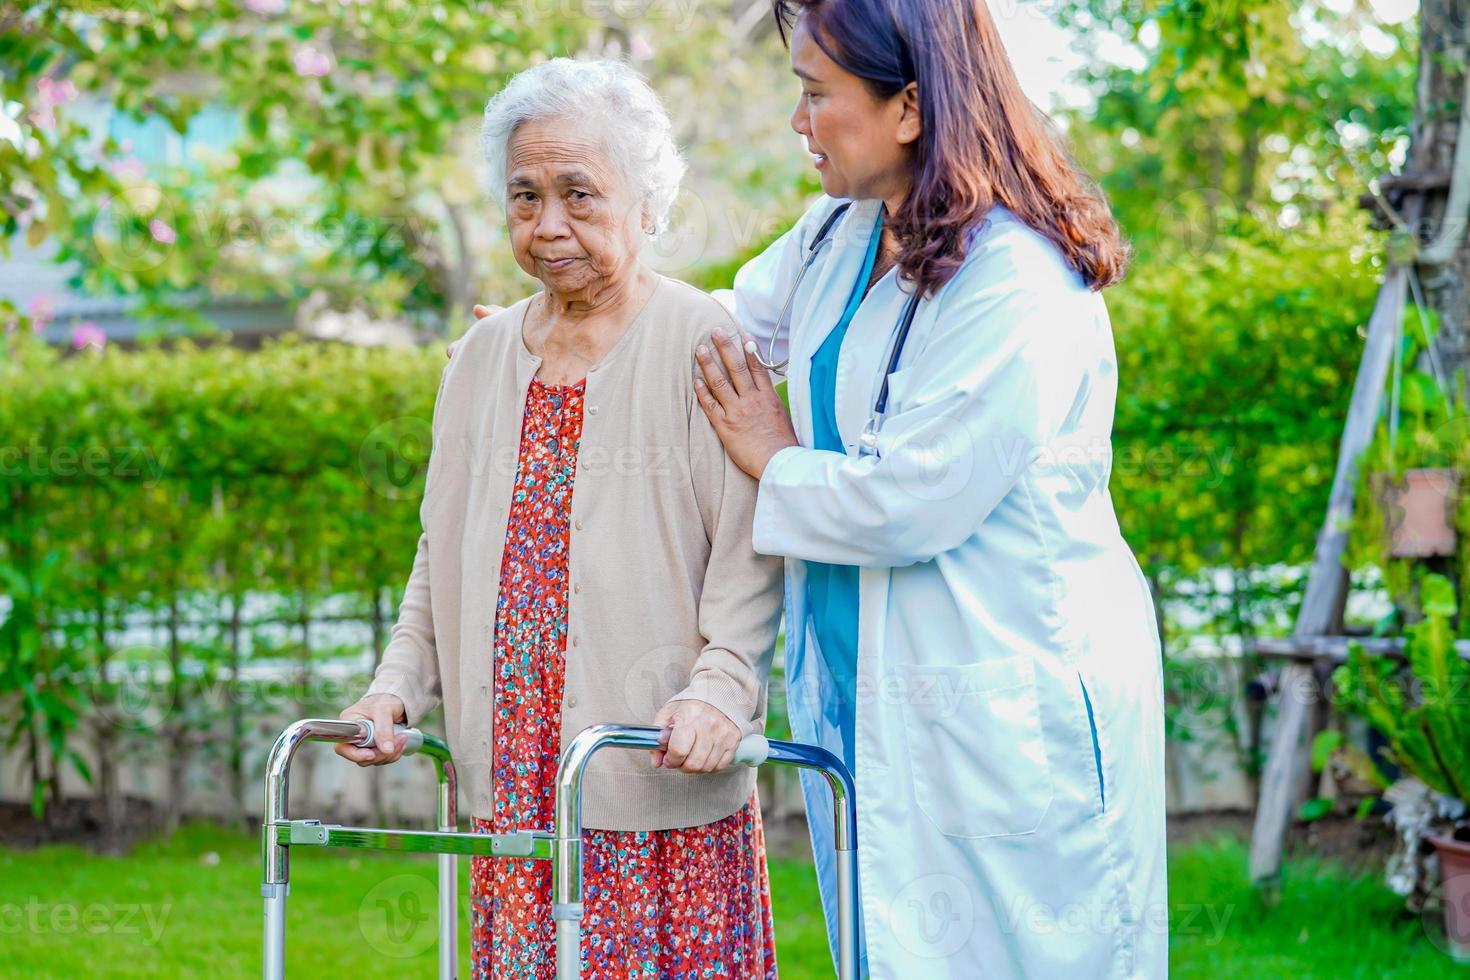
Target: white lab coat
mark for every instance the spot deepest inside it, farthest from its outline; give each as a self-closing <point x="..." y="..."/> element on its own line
<point x="997" y="598"/>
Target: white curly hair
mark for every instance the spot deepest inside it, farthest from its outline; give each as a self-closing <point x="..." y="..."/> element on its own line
<point x="608" y="94"/>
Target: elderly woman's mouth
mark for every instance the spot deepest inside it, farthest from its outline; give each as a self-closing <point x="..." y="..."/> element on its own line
<point x="556" y="265"/>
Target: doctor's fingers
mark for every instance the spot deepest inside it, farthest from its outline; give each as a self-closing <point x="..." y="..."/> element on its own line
<point x="736" y="361"/>
<point x="711" y="378"/>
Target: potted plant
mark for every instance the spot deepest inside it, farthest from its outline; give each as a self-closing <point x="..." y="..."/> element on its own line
<point x="1413" y="465"/>
<point x="1419" y="511"/>
<point x="1420" y="707"/>
<point x="1415" y="517"/>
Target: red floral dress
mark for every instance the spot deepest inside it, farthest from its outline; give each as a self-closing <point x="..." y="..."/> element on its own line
<point x="692" y="902"/>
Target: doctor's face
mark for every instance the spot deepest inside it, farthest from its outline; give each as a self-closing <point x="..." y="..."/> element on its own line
<point x="861" y="142"/>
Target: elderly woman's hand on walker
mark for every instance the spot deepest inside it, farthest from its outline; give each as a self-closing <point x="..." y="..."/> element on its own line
<point x="700" y="737"/>
<point x="384" y="711"/>
<point x="741" y="403"/>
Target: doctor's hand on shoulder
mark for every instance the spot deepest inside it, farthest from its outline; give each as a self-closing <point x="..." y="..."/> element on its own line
<point x="741" y="402"/>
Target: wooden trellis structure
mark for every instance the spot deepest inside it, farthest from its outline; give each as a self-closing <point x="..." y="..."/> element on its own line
<point x="1283" y="782"/>
<point x="1428" y="205"/>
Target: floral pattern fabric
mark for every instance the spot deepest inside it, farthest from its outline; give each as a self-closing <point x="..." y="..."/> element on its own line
<point x="687" y="903"/>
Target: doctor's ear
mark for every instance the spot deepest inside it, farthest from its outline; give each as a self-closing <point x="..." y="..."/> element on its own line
<point x="909" y="126"/>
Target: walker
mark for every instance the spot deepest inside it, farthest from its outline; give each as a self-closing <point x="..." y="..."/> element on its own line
<point x="562" y="846"/>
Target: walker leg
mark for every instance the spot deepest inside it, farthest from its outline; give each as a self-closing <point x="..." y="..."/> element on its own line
<point x="275" y="930"/>
<point x="448" y="874"/>
<point x="847" y="915"/>
<point x="448" y="910"/>
<point x="566" y="888"/>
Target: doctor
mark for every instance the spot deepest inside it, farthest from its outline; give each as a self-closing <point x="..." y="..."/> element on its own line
<point x="965" y="624"/>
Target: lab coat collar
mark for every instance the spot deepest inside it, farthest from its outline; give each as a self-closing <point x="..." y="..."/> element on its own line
<point x="820" y="301"/>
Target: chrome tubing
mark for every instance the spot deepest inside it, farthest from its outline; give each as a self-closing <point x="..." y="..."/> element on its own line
<point x="563" y="846"/>
<point x="275" y="856"/>
<point x="566" y="854"/>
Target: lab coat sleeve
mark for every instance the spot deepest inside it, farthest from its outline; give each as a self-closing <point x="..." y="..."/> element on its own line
<point x="762" y="284"/>
<point x="409" y="668"/>
<point x="998" y="376"/>
<point x="740" y="600"/>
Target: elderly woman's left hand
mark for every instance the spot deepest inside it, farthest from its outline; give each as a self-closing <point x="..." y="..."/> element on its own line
<point x="704" y="738"/>
<point x="742" y="404"/>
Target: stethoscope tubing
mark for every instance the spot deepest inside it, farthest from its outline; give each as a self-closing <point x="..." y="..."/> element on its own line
<point x="868" y="443"/>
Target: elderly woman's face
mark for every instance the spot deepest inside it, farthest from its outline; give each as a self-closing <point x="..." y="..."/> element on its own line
<point x="574" y="223"/>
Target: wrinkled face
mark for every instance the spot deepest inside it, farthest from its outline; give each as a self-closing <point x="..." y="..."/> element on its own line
<point x="574" y="223"/>
<point x="860" y="142"/>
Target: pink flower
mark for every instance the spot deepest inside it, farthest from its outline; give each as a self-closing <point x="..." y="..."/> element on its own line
<point x="56" y="93"/>
<point x="161" y="232"/>
<point x="49" y="94"/>
<point x="265" y="8"/>
<point x="311" y="63"/>
<point x="639" y="49"/>
<point x="127" y="169"/>
<point x="88" y="334"/>
<point x="42" y="310"/>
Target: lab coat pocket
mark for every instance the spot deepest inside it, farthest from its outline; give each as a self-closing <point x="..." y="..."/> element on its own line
<point x="976" y="752"/>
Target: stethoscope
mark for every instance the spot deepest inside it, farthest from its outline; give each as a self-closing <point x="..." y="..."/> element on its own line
<point x="868" y="441"/>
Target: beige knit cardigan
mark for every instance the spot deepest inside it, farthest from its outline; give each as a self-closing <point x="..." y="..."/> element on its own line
<point x="667" y="598"/>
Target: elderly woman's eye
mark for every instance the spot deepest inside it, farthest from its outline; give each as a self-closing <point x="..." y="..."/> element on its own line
<point x="577" y="195"/>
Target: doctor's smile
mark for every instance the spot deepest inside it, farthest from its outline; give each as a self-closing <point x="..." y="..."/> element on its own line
<point x="967" y="632"/>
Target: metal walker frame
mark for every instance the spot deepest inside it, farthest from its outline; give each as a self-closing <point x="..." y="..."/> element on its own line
<point x="562" y="845"/>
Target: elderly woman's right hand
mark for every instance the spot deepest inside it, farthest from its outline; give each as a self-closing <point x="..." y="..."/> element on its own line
<point x="384" y="711"/>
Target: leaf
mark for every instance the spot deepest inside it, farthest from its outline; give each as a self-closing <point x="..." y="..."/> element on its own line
<point x="1437" y="597"/>
<point x="1326" y="742"/>
<point x="1315" y="809"/>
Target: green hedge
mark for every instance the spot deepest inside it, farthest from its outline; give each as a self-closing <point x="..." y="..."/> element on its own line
<point x="171" y="480"/>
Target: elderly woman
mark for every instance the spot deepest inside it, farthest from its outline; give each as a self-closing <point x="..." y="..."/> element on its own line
<point x="573" y="468"/>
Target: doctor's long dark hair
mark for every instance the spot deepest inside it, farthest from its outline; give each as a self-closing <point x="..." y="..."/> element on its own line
<point x="982" y="140"/>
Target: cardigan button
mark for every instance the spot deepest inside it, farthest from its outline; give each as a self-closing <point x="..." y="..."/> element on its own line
<point x="571" y="702"/>
<point x="577" y="587"/>
<point x="578" y="525"/>
<point x="592" y="410"/>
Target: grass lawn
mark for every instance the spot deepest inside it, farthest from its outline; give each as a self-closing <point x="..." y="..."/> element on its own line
<point x="189" y="906"/>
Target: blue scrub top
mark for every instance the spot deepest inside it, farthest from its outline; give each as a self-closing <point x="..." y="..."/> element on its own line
<point x="832" y="590"/>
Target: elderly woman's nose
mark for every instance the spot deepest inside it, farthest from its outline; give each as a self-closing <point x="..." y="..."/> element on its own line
<point x="552" y="222"/>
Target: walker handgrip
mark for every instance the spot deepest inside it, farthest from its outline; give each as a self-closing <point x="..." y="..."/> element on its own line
<point x="752" y="751"/>
<point x="415" y="737"/>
